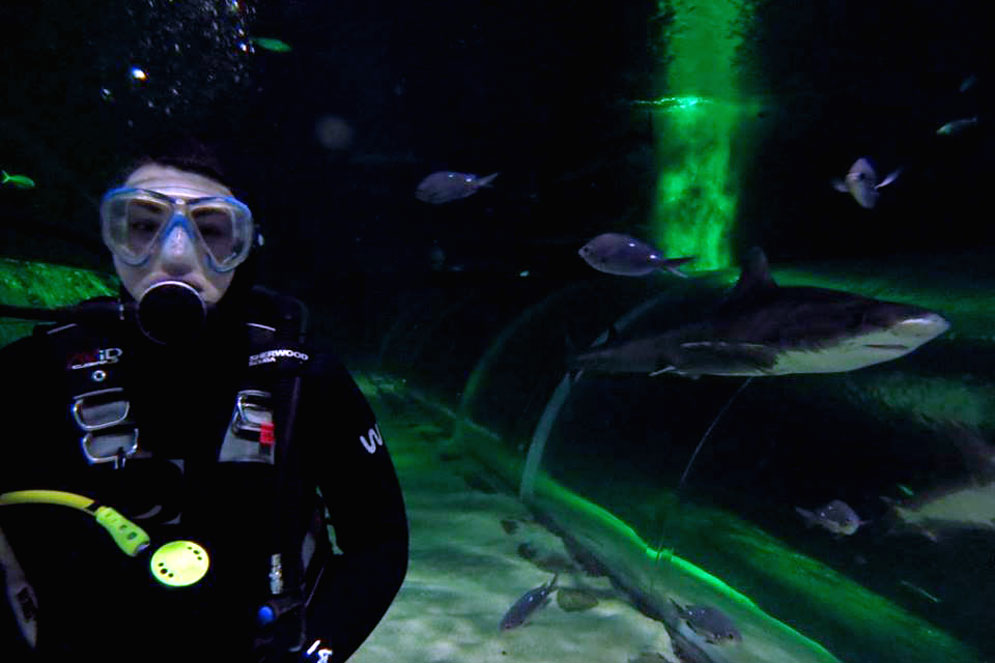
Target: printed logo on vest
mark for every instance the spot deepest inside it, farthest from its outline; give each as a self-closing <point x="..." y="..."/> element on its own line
<point x="270" y="356"/>
<point x="375" y="439"/>
<point x="82" y="360"/>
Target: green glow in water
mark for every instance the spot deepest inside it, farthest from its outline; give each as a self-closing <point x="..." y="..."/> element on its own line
<point x="674" y="103"/>
<point x="870" y="619"/>
<point x="695" y="205"/>
<point x="43" y="285"/>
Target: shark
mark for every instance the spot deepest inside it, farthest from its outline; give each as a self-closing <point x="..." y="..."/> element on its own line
<point x="940" y="511"/>
<point x="763" y="329"/>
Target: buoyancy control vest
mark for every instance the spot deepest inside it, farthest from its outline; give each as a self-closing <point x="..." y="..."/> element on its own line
<point x="261" y="430"/>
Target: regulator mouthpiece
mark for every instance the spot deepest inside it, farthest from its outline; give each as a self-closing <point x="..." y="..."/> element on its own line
<point x="172" y="312"/>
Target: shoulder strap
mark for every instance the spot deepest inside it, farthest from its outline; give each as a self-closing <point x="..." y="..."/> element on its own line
<point x="93" y="359"/>
<point x="284" y="362"/>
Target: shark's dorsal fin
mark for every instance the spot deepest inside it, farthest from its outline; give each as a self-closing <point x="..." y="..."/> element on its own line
<point x="754" y="277"/>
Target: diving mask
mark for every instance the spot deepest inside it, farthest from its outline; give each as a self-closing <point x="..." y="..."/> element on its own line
<point x="135" y="221"/>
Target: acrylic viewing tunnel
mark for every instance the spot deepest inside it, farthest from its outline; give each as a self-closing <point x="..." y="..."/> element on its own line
<point x="598" y="460"/>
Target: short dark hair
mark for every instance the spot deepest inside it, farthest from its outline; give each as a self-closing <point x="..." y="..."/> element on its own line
<point x="183" y="152"/>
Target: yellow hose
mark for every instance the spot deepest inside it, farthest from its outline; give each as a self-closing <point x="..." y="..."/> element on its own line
<point x="57" y="497"/>
<point x="129" y="537"/>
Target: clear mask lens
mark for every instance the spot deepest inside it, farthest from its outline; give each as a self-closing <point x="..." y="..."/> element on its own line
<point x="135" y="221"/>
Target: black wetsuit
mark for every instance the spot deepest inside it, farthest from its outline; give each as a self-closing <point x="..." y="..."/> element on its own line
<point x="94" y="602"/>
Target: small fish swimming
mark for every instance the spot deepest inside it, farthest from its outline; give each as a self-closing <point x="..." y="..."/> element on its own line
<point x="272" y="44"/>
<point x="17" y="181"/>
<point x="968" y="83"/>
<point x="528" y="605"/>
<point x="957" y="126"/>
<point x="837" y="517"/>
<point x="446" y="186"/>
<point x="710" y="623"/>
<point x="861" y="182"/>
<point x="614" y="253"/>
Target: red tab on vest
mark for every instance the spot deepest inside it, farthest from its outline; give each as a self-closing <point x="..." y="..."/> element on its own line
<point x="267" y="435"/>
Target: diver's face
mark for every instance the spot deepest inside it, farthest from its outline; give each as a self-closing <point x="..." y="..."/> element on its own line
<point x="178" y="256"/>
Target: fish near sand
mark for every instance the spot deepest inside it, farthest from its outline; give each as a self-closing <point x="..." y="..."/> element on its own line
<point x="763" y="329"/>
<point x="713" y="625"/>
<point x="837" y="517"/>
<point x="614" y="253"/>
<point x="446" y="186"/>
<point x="861" y="182"/>
<point x="530" y="602"/>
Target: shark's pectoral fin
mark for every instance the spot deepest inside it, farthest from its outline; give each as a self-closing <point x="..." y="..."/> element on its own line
<point x="726" y="358"/>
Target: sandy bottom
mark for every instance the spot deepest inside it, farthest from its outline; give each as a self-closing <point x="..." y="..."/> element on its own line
<point x="467" y="568"/>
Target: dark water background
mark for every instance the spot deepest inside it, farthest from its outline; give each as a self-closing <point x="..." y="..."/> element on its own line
<point x="542" y="92"/>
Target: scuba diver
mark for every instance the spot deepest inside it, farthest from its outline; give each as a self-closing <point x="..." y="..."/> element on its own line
<point x="216" y="450"/>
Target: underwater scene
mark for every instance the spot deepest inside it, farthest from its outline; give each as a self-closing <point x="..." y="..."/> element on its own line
<point x="677" y="316"/>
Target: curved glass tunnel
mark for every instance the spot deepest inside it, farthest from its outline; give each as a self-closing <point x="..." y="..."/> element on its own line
<point x="700" y="127"/>
<point x="599" y="459"/>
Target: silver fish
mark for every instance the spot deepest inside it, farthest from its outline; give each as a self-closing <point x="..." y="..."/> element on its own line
<point x="957" y="126"/>
<point x="446" y="186"/>
<point x="837" y="517"/>
<point x="861" y="182"/>
<point x="528" y="605"/>
<point x="710" y="623"/>
<point x="614" y="253"/>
